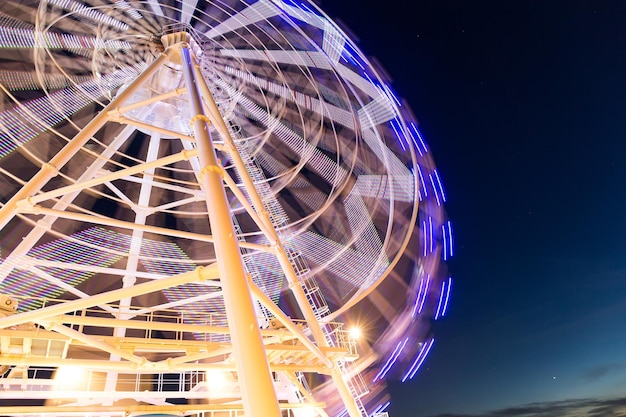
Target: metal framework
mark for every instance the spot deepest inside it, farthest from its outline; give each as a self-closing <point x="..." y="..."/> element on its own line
<point x="193" y="195"/>
<point x="57" y="335"/>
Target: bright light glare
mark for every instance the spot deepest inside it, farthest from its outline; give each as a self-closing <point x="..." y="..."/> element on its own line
<point x="216" y="379"/>
<point x="308" y="412"/>
<point x="70" y="377"/>
<point x="355" y="333"/>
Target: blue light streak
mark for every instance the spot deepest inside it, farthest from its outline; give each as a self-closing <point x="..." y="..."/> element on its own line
<point x="444" y="241"/>
<point x="308" y="9"/>
<point x="419" y="172"/>
<point x="442" y="294"/>
<point x="393" y="96"/>
<point x="445" y="303"/>
<point x="417" y="298"/>
<point x="421" y="307"/>
<point x="451" y="245"/>
<point x="353" y="54"/>
<point x="424" y="233"/>
<point x="419" y="136"/>
<point x="443" y="194"/>
<point x="395" y="129"/>
<point x="381" y="407"/>
<point x="432" y="182"/>
<point x="419" y="360"/>
<point x="430" y="229"/>
<point x="419" y="150"/>
<point x="391" y="361"/>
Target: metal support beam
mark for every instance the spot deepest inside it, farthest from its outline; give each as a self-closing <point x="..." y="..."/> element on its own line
<point x="50" y="169"/>
<point x="199" y="274"/>
<point x="294" y="282"/>
<point x="259" y="397"/>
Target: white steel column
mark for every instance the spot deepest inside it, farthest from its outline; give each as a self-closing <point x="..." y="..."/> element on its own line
<point x="295" y="284"/>
<point x="259" y="397"/>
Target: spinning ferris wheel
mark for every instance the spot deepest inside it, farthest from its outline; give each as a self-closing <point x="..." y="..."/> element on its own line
<point x="198" y="198"/>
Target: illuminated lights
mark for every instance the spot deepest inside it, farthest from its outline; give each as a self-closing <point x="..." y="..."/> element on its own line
<point x="434" y="189"/>
<point x="294" y="13"/>
<point x="350" y="266"/>
<point x="421" y="176"/>
<point x="366" y="238"/>
<point x="70" y="378"/>
<point x="331" y="110"/>
<point x="316" y="160"/>
<point x="353" y="56"/>
<point x="418" y="298"/>
<point x="380" y="408"/>
<point x="332" y="42"/>
<point x="431" y="234"/>
<point x="445" y="303"/>
<point x="89" y="13"/>
<point x="450" y="242"/>
<point x="446" y="238"/>
<point x="355" y="333"/>
<point x="377" y="111"/>
<point x="392" y="95"/>
<point x="21" y="124"/>
<point x="421" y="306"/>
<point x="391" y="360"/>
<point x="445" y="242"/>
<point x="419" y="360"/>
<point x="419" y="136"/>
<point x="395" y="129"/>
<point x="22" y="80"/>
<point x="258" y="11"/>
<point x="123" y="4"/>
<point x="74" y="252"/>
<point x="216" y="379"/>
<point x="443" y="194"/>
<point x="425" y="236"/>
<point x="442" y="295"/>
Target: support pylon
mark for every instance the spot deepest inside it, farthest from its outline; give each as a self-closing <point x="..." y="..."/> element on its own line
<point x="253" y="370"/>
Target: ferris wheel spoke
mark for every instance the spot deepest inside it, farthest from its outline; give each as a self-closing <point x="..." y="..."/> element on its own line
<point x="26" y="121"/>
<point x="321" y="108"/>
<point x="313" y="59"/>
<point x="89" y="13"/>
<point x="316" y="59"/>
<point x="354" y="269"/>
<point x="31" y="80"/>
<point x="36" y="283"/>
<point x="397" y="188"/>
<point x="318" y="161"/>
<point x="187" y="10"/>
<point x="302" y="13"/>
<point x="364" y="234"/>
<point x="17" y="37"/>
<point x="392" y="163"/>
<point x="155" y="7"/>
<point x="254" y="13"/>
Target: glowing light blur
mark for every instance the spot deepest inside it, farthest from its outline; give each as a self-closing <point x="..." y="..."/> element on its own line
<point x="445" y="303"/>
<point x="419" y="360"/>
<point x="391" y="360"/>
<point x="356" y="333"/>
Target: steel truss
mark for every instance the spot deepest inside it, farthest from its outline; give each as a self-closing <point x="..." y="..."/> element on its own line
<point x="151" y="355"/>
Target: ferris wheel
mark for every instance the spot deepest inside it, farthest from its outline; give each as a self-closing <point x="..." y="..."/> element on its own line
<point x="198" y="199"/>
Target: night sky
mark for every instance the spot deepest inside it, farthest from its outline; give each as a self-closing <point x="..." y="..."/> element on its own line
<point x="523" y="105"/>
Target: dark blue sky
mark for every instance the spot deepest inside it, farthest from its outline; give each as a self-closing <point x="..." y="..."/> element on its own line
<point x="523" y="105"/>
